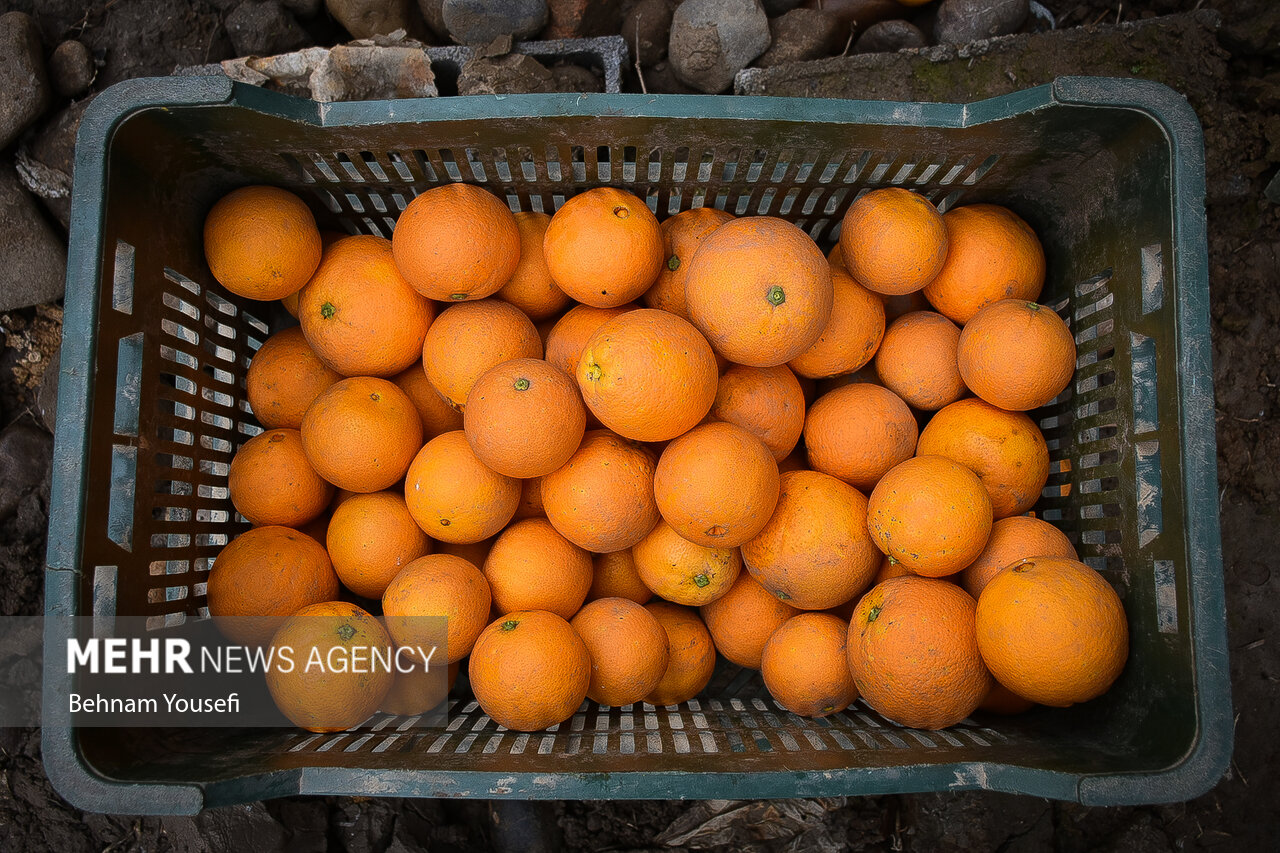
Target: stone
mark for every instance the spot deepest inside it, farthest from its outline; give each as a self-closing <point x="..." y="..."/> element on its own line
<point x="47" y="396"/>
<point x="513" y="74"/>
<point x="712" y="40"/>
<point x="303" y="8"/>
<point x="46" y="160"/>
<point x="774" y="8"/>
<point x="33" y="259"/>
<point x="574" y="78"/>
<point x="661" y="79"/>
<point x="575" y="19"/>
<point x="242" y="827"/>
<point x="263" y="29"/>
<point x="889" y="37"/>
<point x="23" y="79"/>
<point x="1253" y="35"/>
<point x="433" y="13"/>
<point x="645" y="29"/>
<point x="801" y="35"/>
<point x="1272" y="191"/>
<point x="365" y="72"/>
<point x="965" y="21"/>
<point x="71" y="69"/>
<point x="367" y="18"/>
<point x="481" y="21"/>
<point x="26" y="452"/>
<point x="859" y="14"/>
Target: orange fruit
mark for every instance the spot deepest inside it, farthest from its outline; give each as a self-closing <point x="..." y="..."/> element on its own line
<point x="914" y="655"/>
<point x="434" y="411"/>
<point x="682" y="234"/>
<point x="532" y="567"/>
<point x="691" y="654"/>
<point x="271" y="481"/>
<point x="603" y="247"/>
<point x="264" y="576"/>
<point x="760" y="290"/>
<point x="1012" y="539"/>
<point x="261" y="242"/>
<point x="1017" y="355"/>
<point x="531" y="288"/>
<point x="628" y="650"/>
<point x="805" y="665"/>
<point x="602" y="498"/>
<point x="466" y="340"/>
<point x="681" y="571"/>
<point x="894" y="305"/>
<point x="456" y="242"/>
<point x="454" y="496"/>
<point x="529" y="670"/>
<point x="889" y="568"/>
<point x="1002" y="700"/>
<point x="371" y="538"/>
<point x="766" y="401"/>
<point x="361" y="434"/>
<point x="931" y="514"/>
<point x="1005" y="449"/>
<point x="858" y="432"/>
<point x="524" y="418"/>
<point x="815" y="551"/>
<point x="897" y="306"/>
<point x="338" y="696"/>
<point x="1053" y="631"/>
<point x="991" y="255"/>
<point x="474" y="553"/>
<point x="893" y="241"/>
<point x="568" y="337"/>
<point x="716" y="485"/>
<point x="437" y="600"/>
<point x="648" y="375"/>
<point x="284" y="378"/>
<point x="359" y="314"/>
<point x="850" y="337"/>
<point x="917" y="360"/>
<point x="743" y="619"/>
<point x="615" y="576"/>
<point x="530" y="499"/>
<point x="418" y="690"/>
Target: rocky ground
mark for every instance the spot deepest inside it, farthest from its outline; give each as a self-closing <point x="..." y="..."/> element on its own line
<point x="1224" y="57"/>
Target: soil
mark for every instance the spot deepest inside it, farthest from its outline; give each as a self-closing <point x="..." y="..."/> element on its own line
<point x="1232" y="78"/>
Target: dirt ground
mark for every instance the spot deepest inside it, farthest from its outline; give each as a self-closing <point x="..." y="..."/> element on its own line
<point x="1232" y="78"/>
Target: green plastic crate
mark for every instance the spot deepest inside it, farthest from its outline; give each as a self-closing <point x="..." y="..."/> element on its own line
<point x="1109" y="172"/>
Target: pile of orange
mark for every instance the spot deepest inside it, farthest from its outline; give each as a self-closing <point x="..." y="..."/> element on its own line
<point x="586" y="453"/>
